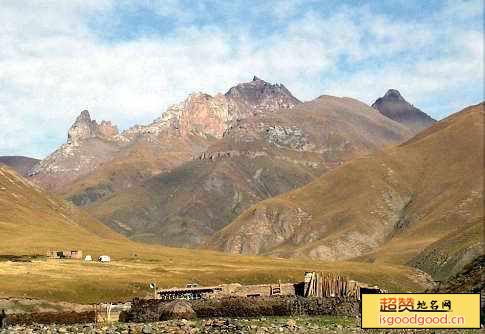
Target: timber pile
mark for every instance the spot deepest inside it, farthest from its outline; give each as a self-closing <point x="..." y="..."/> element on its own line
<point x="331" y="285"/>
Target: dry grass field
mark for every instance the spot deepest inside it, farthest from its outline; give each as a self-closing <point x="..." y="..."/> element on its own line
<point x="33" y="222"/>
<point x="127" y="277"/>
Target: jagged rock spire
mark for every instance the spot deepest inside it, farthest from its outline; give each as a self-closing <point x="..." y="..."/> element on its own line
<point x="82" y="128"/>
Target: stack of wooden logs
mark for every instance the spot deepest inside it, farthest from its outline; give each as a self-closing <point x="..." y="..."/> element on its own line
<point x="331" y="285"/>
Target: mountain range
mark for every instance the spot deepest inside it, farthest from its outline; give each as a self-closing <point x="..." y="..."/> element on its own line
<point x="182" y="178"/>
<point x="256" y="171"/>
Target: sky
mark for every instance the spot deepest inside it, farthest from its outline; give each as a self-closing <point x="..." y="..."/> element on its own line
<point x="127" y="60"/>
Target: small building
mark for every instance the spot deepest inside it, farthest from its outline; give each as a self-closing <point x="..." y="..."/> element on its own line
<point x="319" y="285"/>
<point x="104" y="258"/>
<point x="88" y="258"/>
<point x="194" y="291"/>
<point x="64" y="254"/>
<point x="76" y="254"/>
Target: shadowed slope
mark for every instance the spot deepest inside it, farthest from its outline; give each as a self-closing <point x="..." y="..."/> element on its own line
<point x="19" y="164"/>
<point x="394" y="106"/>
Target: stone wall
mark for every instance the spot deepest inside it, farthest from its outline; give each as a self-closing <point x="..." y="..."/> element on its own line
<point x="242" y="307"/>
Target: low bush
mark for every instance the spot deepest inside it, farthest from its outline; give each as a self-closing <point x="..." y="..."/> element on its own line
<point x="47" y="318"/>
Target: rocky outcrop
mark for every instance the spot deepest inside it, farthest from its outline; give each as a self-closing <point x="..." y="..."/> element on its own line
<point x="290" y="137"/>
<point x="82" y="129"/>
<point x="394" y="106"/>
<point x="269" y="227"/>
<point x="206" y="115"/>
<point x="183" y="131"/>
<point x="107" y="130"/>
<point x="85" y="128"/>
<point x="230" y="155"/>
<point x="259" y="95"/>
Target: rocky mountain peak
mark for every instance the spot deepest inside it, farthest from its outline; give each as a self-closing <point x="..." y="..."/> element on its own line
<point x="82" y="128"/>
<point x="203" y="114"/>
<point x="260" y="95"/>
<point x="84" y="115"/>
<point x="394" y="106"/>
<point x="393" y="94"/>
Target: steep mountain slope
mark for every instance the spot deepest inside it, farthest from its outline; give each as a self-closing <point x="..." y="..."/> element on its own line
<point x="97" y="160"/>
<point x="394" y="106"/>
<point x="258" y="157"/>
<point x="32" y="220"/>
<point x="407" y="204"/>
<point x="19" y="163"/>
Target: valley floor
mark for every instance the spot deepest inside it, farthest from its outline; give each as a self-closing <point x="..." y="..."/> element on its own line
<point x="127" y="277"/>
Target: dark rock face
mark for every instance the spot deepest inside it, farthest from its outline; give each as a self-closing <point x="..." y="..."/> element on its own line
<point x="394" y="106"/>
<point x="260" y="95"/>
<point x="91" y="194"/>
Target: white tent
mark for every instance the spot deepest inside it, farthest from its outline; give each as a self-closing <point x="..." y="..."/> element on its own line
<point x="88" y="258"/>
<point x="104" y="258"/>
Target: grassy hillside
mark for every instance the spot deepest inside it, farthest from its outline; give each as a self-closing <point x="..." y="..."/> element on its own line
<point x="31" y="222"/>
<point x="28" y="215"/>
<point x="395" y="206"/>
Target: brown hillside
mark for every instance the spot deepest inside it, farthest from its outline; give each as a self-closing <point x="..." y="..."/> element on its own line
<point x="386" y="207"/>
<point x="257" y="158"/>
<point x="32" y="221"/>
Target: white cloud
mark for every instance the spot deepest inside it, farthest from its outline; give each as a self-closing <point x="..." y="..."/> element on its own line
<point x="53" y="65"/>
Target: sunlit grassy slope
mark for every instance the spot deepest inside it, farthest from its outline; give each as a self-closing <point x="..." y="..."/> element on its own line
<point x="32" y="222"/>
